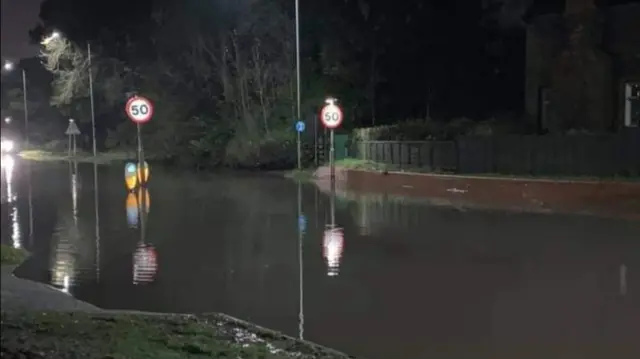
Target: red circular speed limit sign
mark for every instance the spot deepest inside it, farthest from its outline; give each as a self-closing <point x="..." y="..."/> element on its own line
<point x="331" y="116"/>
<point x="139" y="109"/>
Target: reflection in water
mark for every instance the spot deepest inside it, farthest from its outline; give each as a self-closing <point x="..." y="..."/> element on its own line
<point x="333" y="239"/>
<point x="74" y="196"/>
<point x="301" y="228"/>
<point x="30" y="202"/>
<point x="332" y="247"/>
<point x="131" y="207"/>
<point x="75" y="253"/>
<point x="377" y="211"/>
<point x="145" y="264"/>
<point x="134" y="202"/>
<point x="228" y="244"/>
<point x="138" y="205"/>
<point x="623" y="279"/>
<point x="8" y="168"/>
<point x="64" y="262"/>
<point x="97" y="218"/>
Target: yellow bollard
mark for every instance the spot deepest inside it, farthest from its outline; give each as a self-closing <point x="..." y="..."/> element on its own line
<point x="143" y="173"/>
<point x="130" y="177"/>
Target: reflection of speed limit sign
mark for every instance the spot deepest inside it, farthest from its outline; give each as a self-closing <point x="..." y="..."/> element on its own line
<point x="331" y="116"/>
<point x="139" y="109"/>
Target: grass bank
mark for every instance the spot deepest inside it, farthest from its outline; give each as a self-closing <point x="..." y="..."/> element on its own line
<point x="349" y="163"/>
<point x="81" y="157"/>
<point x="12" y="256"/>
<point x="139" y="336"/>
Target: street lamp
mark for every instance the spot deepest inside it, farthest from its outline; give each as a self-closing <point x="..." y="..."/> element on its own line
<point x="54" y="35"/>
<point x="10" y="66"/>
<point x="298" y="79"/>
<point x="57" y="35"/>
<point x="7" y="120"/>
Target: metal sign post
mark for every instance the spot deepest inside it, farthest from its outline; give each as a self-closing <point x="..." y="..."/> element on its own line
<point x="72" y="131"/>
<point x="139" y="110"/>
<point x="331" y="117"/>
<point x="300" y="127"/>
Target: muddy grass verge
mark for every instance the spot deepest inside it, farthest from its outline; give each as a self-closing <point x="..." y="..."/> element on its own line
<point x="10" y="256"/>
<point x="140" y="336"/>
<point x="80" y="157"/>
<point x="366" y="165"/>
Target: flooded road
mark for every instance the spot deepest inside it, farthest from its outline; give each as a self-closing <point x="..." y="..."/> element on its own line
<point x="392" y="280"/>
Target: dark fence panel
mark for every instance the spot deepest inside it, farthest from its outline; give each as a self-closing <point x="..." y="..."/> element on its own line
<point x="568" y="155"/>
<point x="425" y="156"/>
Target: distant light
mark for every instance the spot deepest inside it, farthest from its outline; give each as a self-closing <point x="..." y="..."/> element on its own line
<point x="7" y="119"/>
<point x="54" y="35"/>
<point x="9" y="66"/>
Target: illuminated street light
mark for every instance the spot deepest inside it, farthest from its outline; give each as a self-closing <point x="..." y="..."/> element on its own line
<point x="10" y="66"/>
<point x="7" y="120"/>
<point x="54" y="35"/>
<point x="330" y="101"/>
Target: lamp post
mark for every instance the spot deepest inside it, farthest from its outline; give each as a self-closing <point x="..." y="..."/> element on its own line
<point x="298" y="80"/>
<point x="56" y="35"/>
<point x="10" y="66"/>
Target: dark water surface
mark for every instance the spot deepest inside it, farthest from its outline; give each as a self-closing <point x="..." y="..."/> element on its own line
<point x="407" y="280"/>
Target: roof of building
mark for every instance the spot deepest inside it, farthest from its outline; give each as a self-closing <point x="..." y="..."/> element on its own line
<point x="549" y="7"/>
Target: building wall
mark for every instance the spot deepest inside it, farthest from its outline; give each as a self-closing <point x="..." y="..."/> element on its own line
<point x="623" y="35"/>
<point x="542" y="46"/>
<point x="606" y="70"/>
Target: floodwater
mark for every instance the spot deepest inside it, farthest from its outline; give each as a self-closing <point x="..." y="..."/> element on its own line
<point x="390" y="279"/>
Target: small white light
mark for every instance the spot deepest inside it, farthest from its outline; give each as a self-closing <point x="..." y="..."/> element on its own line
<point x="7" y="145"/>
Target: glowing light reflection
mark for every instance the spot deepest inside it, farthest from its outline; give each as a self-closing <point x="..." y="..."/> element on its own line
<point x="8" y="166"/>
<point x="332" y="248"/>
<point x="63" y="267"/>
<point x="74" y="196"/>
<point x="145" y="264"/>
<point x="16" y="235"/>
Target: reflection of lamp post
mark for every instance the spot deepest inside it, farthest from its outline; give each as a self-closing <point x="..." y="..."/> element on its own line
<point x="300" y="262"/>
<point x="623" y="279"/>
<point x="97" y="215"/>
<point x="10" y="66"/>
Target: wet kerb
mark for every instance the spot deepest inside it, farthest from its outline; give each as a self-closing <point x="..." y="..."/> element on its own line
<point x="606" y="198"/>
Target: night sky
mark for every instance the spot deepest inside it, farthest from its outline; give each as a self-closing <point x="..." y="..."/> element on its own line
<point x="18" y="16"/>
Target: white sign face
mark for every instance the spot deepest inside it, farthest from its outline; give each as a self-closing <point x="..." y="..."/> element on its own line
<point x="72" y="129"/>
<point x="331" y="116"/>
<point x="139" y="109"/>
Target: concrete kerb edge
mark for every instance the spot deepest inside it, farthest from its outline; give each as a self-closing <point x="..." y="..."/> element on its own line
<point x="499" y="178"/>
<point x="491" y="178"/>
